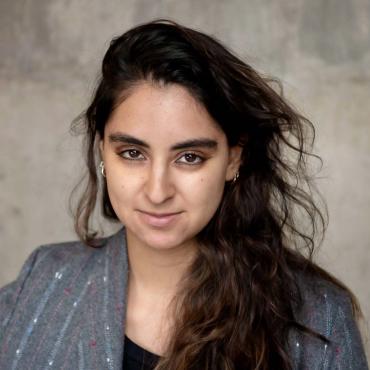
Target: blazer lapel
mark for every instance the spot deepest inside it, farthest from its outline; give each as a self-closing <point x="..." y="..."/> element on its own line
<point x="106" y="309"/>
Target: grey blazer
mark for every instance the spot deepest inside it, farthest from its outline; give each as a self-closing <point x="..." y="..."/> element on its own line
<point x="66" y="310"/>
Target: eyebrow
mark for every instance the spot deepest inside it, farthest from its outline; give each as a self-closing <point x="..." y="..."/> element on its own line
<point x="191" y="143"/>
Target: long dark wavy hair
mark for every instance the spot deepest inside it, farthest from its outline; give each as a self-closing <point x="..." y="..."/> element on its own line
<point x="240" y="293"/>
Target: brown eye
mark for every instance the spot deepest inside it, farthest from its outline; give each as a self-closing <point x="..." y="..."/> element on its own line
<point x="192" y="158"/>
<point x="131" y="154"/>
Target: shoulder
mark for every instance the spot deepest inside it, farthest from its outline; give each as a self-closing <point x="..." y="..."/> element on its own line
<point x="54" y="256"/>
<point x="57" y="287"/>
<point x="327" y="309"/>
<point x="60" y="252"/>
<point x="322" y="301"/>
<point x="66" y="253"/>
<point x="48" y="264"/>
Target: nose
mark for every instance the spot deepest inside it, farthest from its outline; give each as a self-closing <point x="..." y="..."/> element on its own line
<point x="159" y="187"/>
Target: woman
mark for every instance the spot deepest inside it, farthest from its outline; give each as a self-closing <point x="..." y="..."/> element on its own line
<point x="204" y="165"/>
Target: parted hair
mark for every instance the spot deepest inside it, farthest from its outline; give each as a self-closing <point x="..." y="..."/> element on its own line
<point x="238" y="300"/>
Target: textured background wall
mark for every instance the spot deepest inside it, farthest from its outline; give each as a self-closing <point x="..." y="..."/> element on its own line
<point x="50" y="55"/>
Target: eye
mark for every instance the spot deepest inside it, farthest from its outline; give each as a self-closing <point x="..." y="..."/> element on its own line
<point x="191" y="158"/>
<point x="131" y="154"/>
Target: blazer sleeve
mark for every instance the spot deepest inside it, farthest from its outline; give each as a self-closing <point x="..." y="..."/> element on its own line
<point x="346" y="350"/>
<point x="10" y="293"/>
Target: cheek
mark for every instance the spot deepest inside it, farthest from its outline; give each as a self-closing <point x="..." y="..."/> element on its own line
<point x="119" y="191"/>
<point x="206" y="194"/>
<point x="121" y="194"/>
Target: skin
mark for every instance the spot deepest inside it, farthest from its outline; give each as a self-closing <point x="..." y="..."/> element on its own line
<point x="160" y="180"/>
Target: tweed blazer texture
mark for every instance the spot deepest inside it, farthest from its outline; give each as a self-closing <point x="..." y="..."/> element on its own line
<point x="66" y="310"/>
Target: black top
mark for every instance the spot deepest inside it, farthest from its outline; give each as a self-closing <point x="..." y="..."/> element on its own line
<point x="137" y="358"/>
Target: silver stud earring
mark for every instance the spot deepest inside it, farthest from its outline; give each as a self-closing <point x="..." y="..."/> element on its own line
<point x="236" y="177"/>
<point x="101" y="165"/>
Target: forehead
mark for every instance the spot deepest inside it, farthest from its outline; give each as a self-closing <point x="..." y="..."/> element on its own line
<point x="167" y="112"/>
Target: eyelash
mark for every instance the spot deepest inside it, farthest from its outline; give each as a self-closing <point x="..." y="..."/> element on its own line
<point x="200" y="158"/>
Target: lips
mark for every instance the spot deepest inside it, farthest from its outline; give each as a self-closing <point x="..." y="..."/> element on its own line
<point x="160" y="214"/>
<point x="159" y="219"/>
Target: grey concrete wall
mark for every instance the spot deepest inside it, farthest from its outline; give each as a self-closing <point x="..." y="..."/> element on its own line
<point x="51" y="51"/>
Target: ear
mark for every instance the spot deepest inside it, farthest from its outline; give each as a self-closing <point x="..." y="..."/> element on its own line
<point x="233" y="165"/>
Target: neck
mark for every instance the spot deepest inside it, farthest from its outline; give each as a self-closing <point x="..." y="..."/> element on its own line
<point x="156" y="271"/>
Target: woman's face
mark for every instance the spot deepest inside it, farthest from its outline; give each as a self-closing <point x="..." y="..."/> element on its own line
<point x="165" y="156"/>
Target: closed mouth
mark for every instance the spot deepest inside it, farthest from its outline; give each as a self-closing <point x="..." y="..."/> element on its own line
<point x="160" y="214"/>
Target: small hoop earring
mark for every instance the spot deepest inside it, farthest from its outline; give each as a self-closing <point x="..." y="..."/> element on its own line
<point x="235" y="177"/>
<point x="101" y="165"/>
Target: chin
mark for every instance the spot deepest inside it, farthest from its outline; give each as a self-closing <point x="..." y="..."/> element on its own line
<point x="162" y="241"/>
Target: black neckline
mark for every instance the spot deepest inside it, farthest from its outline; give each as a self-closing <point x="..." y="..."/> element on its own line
<point x="139" y="354"/>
